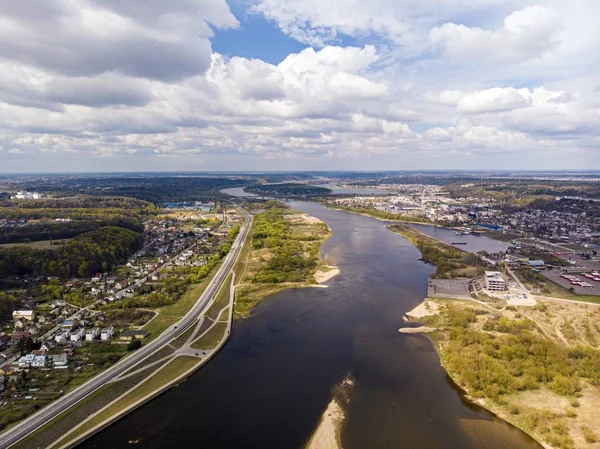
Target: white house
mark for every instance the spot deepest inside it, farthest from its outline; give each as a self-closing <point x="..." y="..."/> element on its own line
<point x="39" y="361"/>
<point x="62" y="337"/>
<point x="92" y="334"/>
<point x="60" y="361"/>
<point x="78" y="335"/>
<point x="29" y="315"/>
<point x="107" y="333"/>
<point x="25" y="361"/>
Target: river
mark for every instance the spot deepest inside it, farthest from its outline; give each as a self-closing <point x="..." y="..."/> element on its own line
<point x="471" y="243"/>
<point x="269" y="385"/>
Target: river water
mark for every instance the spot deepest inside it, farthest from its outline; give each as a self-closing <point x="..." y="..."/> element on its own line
<point x="471" y="243"/>
<point x="269" y="385"/>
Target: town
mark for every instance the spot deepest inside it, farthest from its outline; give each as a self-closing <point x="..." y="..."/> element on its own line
<point x="63" y="331"/>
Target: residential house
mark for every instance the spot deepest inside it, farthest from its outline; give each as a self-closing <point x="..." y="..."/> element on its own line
<point x="25" y="361"/>
<point x="62" y="337"/>
<point x="107" y="333"/>
<point x="39" y="361"/>
<point x="78" y="335"/>
<point x="68" y="324"/>
<point x="92" y="334"/>
<point x="129" y="335"/>
<point x="28" y="315"/>
<point x="60" y="360"/>
<point x="4" y="340"/>
<point x="17" y="337"/>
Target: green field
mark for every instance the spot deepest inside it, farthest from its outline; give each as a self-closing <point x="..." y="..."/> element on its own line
<point x="42" y="244"/>
<point x="212" y="338"/>
<point x="221" y="300"/>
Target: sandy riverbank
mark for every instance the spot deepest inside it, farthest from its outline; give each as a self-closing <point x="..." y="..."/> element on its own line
<point x="417" y="330"/>
<point x="328" y="433"/>
<point x="326" y="273"/>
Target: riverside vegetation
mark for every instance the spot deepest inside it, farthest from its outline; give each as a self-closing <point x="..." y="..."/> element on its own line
<point x="450" y="262"/>
<point x="284" y="254"/>
<point x="511" y="362"/>
<point x="375" y="213"/>
<point x="536" y="367"/>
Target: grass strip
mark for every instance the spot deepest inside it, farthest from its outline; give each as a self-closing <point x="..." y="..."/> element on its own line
<point x="212" y="338"/>
<point x="221" y="300"/>
<point x="224" y="314"/>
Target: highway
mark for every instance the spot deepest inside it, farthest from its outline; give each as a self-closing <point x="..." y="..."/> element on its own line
<point x="35" y="421"/>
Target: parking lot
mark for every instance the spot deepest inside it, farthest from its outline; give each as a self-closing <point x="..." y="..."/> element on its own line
<point x="555" y="276"/>
<point x="449" y="288"/>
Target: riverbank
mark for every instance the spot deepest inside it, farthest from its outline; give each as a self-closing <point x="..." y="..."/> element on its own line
<point x="378" y="215"/>
<point x="328" y="432"/>
<point x="450" y="262"/>
<point x="284" y="254"/>
<point x="494" y="357"/>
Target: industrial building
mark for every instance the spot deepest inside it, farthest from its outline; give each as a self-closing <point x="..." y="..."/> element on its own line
<point x="494" y="281"/>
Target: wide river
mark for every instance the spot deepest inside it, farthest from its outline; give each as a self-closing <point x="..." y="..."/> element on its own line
<point x="268" y="387"/>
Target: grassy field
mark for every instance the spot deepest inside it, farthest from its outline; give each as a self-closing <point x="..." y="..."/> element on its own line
<point x="160" y="379"/>
<point x="224" y="314"/>
<point x="240" y="264"/>
<point x="221" y="299"/>
<point x="42" y="244"/>
<point x="180" y="341"/>
<point x="169" y="315"/>
<point x="212" y="338"/>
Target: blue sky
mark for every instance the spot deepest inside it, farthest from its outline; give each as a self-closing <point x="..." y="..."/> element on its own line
<point x="299" y="84"/>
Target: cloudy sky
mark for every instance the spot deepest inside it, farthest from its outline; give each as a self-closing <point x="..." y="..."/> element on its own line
<point x="120" y="85"/>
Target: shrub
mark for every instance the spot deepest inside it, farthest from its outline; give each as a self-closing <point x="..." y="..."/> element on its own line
<point x="134" y="344"/>
<point x="565" y="386"/>
<point x="589" y="435"/>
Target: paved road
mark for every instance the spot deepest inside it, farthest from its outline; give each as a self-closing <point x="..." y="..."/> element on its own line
<point x="29" y="425"/>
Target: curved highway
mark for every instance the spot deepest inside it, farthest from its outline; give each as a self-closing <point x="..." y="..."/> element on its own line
<point x="52" y="410"/>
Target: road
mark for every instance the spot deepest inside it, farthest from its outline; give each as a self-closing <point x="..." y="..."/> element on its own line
<point x="34" y="422"/>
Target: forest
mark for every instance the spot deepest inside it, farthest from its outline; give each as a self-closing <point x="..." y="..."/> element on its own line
<point x="288" y="189"/>
<point x="56" y="219"/>
<point x="154" y="188"/>
<point x="86" y="254"/>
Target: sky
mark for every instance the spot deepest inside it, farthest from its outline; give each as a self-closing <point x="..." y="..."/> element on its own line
<point x="151" y="85"/>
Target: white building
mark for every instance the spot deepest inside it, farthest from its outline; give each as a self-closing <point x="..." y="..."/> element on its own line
<point x="60" y="360"/>
<point x="78" y="335"/>
<point x="92" y="334"/>
<point x="107" y="333"/>
<point x="25" y="361"/>
<point x="39" y="361"/>
<point x="29" y="315"/>
<point x="27" y="196"/>
<point x="62" y="337"/>
<point x="494" y="281"/>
